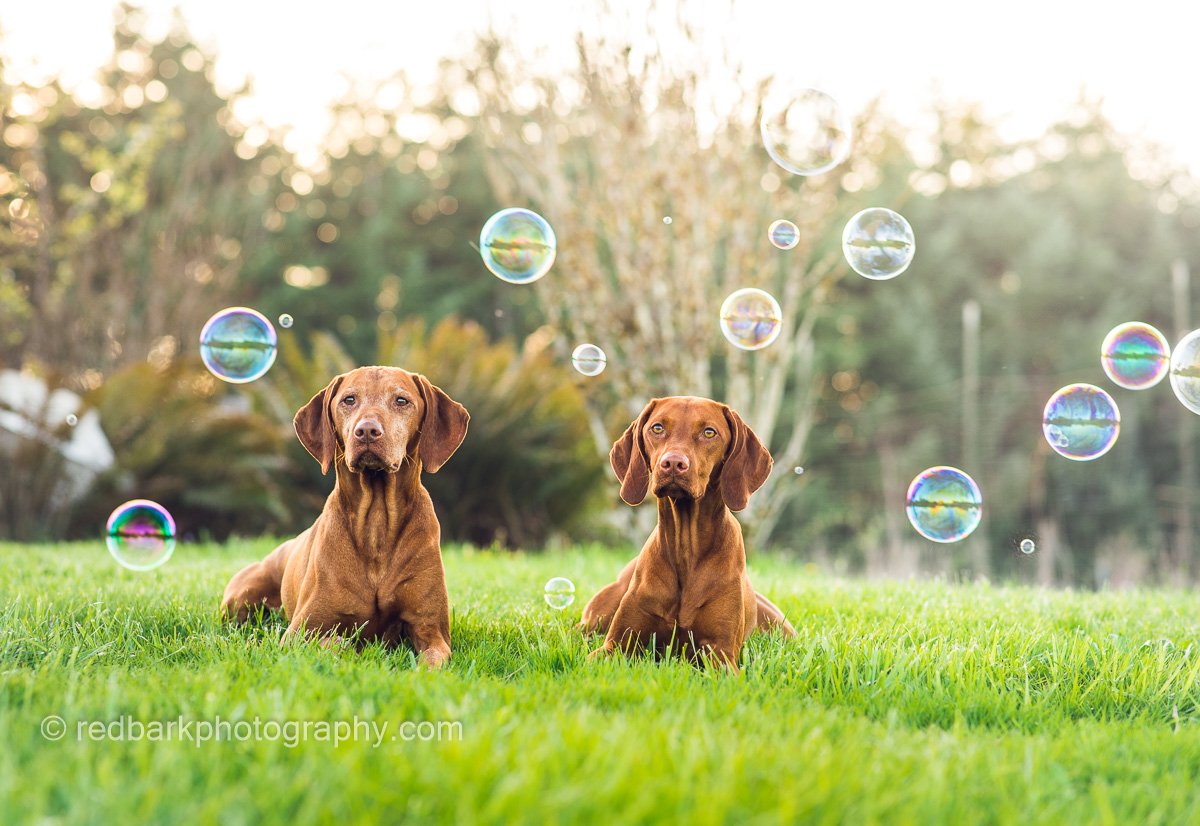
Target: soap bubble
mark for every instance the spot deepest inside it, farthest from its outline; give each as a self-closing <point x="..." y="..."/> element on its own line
<point x="589" y="359"/>
<point x="559" y="592"/>
<point x="517" y="245"/>
<point x="1135" y="355"/>
<point x="944" y="504"/>
<point x="1081" y="422"/>
<point x="878" y="243"/>
<point x="667" y="220"/>
<point x="140" y="535"/>
<point x="238" y="345"/>
<point x="72" y="420"/>
<point x="1055" y="436"/>
<point x="286" y="321"/>
<point x="805" y="131"/>
<point x="751" y="318"/>
<point x="784" y="234"/>
<point x="1185" y="371"/>
<point x="1027" y="546"/>
<point x="799" y="471"/>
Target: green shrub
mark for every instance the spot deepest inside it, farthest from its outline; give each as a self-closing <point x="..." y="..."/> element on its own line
<point x="183" y="439"/>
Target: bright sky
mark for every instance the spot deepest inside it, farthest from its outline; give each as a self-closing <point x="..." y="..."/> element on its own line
<point x="1025" y="60"/>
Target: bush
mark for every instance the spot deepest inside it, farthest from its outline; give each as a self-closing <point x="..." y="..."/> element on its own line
<point x="182" y="440"/>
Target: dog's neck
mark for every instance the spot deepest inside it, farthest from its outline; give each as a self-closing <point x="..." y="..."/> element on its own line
<point x="691" y="529"/>
<point x="377" y="506"/>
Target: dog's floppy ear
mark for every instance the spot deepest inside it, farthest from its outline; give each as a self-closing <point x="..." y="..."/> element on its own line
<point x="629" y="461"/>
<point x="314" y="425"/>
<point x="443" y="428"/>
<point x="747" y="464"/>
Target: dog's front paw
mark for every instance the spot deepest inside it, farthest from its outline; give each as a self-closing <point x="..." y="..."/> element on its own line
<point x="600" y="653"/>
<point x="433" y="659"/>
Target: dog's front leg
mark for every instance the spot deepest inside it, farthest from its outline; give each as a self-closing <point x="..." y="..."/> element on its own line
<point x="423" y="612"/>
<point x="632" y="626"/>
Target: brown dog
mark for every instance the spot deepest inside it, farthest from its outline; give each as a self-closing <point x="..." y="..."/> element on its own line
<point x="372" y="560"/>
<point x="688" y="587"/>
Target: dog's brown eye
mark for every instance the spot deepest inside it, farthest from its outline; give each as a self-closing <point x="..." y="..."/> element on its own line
<point x="400" y="400"/>
<point x="657" y="427"/>
<point x="710" y="433"/>
<point x="349" y="400"/>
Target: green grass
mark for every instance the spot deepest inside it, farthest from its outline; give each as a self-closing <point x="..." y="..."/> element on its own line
<point x="897" y="703"/>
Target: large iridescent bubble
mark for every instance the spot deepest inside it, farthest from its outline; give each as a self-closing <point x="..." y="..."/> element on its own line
<point x="140" y="534"/>
<point x="1081" y="422"/>
<point x="944" y="504"/>
<point x="751" y="318"/>
<point x="238" y="345"/>
<point x="805" y="131"/>
<point x="518" y="245"/>
<point x="1135" y="355"/>
<point x="1185" y="371"/>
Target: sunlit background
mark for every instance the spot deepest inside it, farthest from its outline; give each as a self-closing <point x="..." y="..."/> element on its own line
<point x="165" y="162"/>
<point x="1025" y="63"/>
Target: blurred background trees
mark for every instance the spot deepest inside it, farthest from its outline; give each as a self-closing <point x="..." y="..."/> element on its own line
<point x="136" y="207"/>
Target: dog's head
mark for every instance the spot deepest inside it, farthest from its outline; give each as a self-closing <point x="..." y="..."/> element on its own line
<point x="379" y="417"/>
<point x="680" y="446"/>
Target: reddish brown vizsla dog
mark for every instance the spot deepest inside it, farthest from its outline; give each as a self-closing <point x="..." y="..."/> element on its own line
<point x="372" y="560"/>
<point x="688" y="587"/>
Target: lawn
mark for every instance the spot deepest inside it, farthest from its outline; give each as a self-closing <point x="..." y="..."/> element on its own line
<point x="897" y="703"/>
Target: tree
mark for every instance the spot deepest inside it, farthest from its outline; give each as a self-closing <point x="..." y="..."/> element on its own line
<point x="1057" y="241"/>
<point x="122" y="234"/>
<point x="650" y="167"/>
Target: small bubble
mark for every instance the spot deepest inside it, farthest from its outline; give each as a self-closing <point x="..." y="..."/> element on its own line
<point x="784" y="234"/>
<point x="559" y="592"/>
<point x="1027" y="546"/>
<point x="799" y="471"/>
<point x="285" y="321"/>
<point x="667" y="220"/>
<point x="589" y="359"/>
<point x="72" y="420"/>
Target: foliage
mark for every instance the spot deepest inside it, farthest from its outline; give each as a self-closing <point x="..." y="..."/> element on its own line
<point x="1057" y="243"/>
<point x="380" y="227"/>
<point x="896" y="703"/>
<point x="111" y="209"/>
<point x="118" y="238"/>
<point x="181" y="441"/>
<point x="107" y="206"/>
<point x="630" y="137"/>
